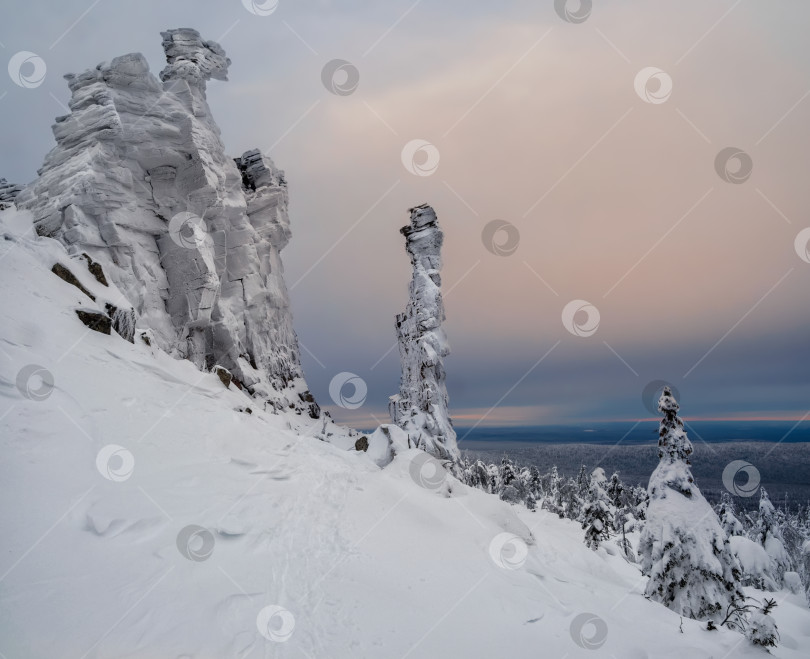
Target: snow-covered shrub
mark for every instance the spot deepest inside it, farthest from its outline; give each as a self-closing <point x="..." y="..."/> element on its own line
<point x="754" y="562"/>
<point x="762" y="627"/>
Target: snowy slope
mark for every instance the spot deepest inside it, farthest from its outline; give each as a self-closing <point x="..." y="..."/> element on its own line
<point x="362" y="561"/>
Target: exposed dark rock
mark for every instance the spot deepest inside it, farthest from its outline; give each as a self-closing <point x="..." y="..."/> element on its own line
<point x="63" y="273"/>
<point x="95" y="270"/>
<point x="224" y="375"/>
<point x="95" y="321"/>
<point x="361" y="444"/>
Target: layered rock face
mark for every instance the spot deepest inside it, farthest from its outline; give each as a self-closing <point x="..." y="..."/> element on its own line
<point x="140" y="181"/>
<point x="421" y="406"/>
<point x="8" y="193"/>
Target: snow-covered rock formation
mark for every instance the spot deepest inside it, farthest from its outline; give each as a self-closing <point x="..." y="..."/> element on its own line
<point x="420" y="408"/>
<point x="139" y="180"/>
<point x="683" y="548"/>
<point x="8" y="193"/>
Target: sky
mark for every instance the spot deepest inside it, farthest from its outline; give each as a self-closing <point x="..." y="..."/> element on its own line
<point x="634" y="246"/>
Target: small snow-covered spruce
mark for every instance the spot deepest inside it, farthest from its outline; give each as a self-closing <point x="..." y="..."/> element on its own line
<point x="728" y="517"/>
<point x="596" y="516"/>
<point x="553" y="499"/>
<point x="683" y="549"/>
<point x="762" y="627"/>
<point x="768" y="533"/>
<point x="596" y="523"/>
<point x="615" y="490"/>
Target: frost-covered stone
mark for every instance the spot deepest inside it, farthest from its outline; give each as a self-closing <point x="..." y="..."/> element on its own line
<point x="8" y="193"/>
<point x="139" y="180"/>
<point x="683" y="548"/>
<point x="421" y="406"/>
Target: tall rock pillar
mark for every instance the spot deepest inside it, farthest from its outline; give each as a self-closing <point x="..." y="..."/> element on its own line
<point x="420" y="408"/>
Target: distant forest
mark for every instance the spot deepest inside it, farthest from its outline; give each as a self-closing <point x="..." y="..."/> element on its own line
<point x="784" y="468"/>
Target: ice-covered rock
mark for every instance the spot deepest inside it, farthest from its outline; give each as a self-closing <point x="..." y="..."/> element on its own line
<point x="420" y="408"/>
<point x="8" y="193"/>
<point x="140" y="181"/>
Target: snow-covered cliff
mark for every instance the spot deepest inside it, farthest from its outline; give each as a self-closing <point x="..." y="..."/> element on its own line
<point x="421" y="406"/>
<point x="140" y="181"/>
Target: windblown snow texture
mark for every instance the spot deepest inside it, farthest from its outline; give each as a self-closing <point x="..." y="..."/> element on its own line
<point x="140" y="181"/>
<point x="421" y="406"/>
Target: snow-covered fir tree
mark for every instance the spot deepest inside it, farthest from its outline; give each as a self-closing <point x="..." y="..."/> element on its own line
<point x="683" y="548"/>
<point x="615" y="490"/>
<point x="728" y="516"/>
<point x="553" y="499"/>
<point x="596" y="515"/>
<point x="768" y="533"/>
